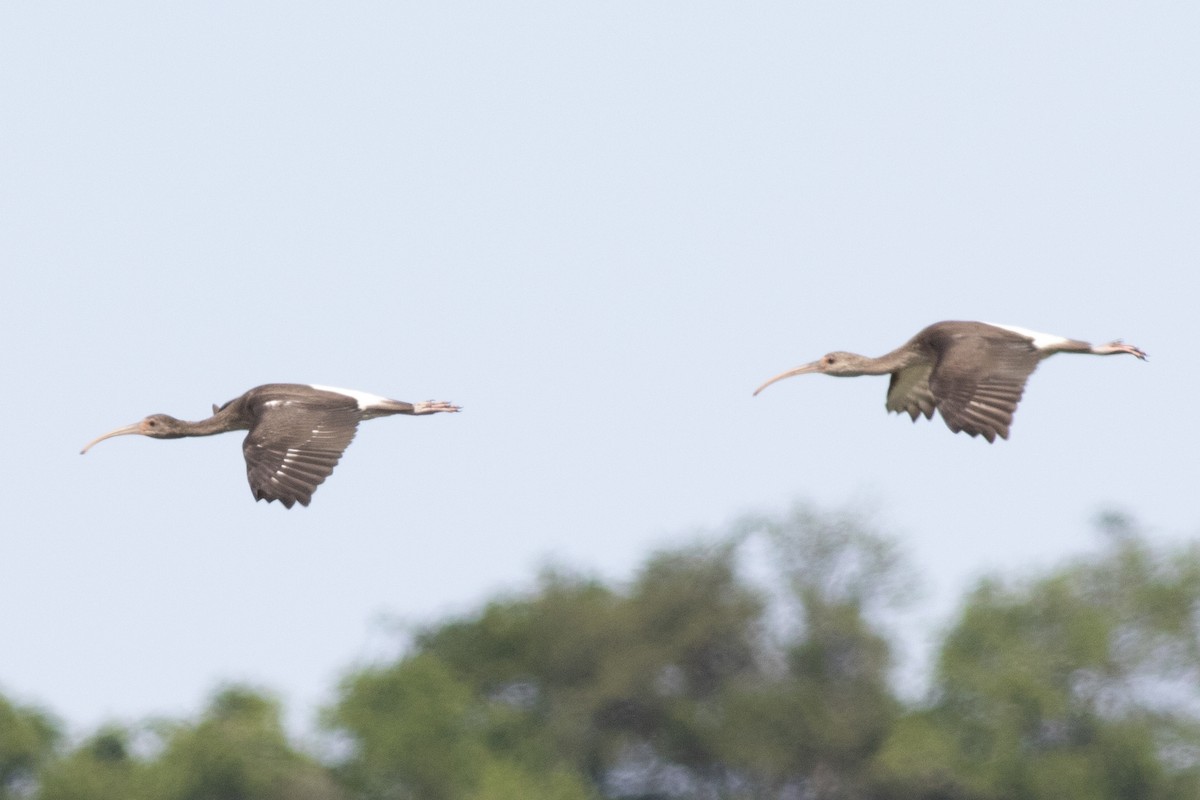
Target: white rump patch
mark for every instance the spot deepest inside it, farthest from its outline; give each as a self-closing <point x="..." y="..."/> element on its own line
<point x="1041" y="341"/>
<point x="365" y="400"/>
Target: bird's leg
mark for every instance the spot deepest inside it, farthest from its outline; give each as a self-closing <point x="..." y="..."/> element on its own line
<point x="433" y="407"/>
<point x="1112" y="348"/>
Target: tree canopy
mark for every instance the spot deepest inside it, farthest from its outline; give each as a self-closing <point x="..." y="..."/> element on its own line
<point x="756" y="664"/>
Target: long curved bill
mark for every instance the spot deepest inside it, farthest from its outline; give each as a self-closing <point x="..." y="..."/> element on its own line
<point x="815" y="366"/>
<point x="134" y="428"/>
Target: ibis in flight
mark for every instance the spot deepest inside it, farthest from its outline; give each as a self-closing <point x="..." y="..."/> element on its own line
<point x="297" y="432"/>
<point x="973" y="373"/>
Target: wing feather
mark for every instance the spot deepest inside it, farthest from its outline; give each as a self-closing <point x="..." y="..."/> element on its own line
<point x="293" y="447"/>
<point x="979" y="380"/>
<point x="909" y="392"/>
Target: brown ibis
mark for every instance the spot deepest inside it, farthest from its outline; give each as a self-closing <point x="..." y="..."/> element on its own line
<point x="973" y="373"/>
<point x="297" y="432"/>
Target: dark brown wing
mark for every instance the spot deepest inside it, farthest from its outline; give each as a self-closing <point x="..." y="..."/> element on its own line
<point x="292" y="448"/>
<point x="978" y="381"/>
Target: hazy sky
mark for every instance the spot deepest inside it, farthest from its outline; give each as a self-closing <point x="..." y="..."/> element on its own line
<point x="597" y="227"/>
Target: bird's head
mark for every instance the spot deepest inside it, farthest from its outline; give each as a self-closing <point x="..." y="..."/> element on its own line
<point x="158" y="426"/>
<point x="838" y="363"/>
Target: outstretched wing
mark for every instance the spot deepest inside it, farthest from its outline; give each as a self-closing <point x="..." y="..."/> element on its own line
<point x="293" y="447"/>
<point x="978" y="381"/>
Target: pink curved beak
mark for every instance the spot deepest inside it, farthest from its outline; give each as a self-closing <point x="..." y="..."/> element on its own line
<point x="815" y="366"/>
<point x="134" y="428"/>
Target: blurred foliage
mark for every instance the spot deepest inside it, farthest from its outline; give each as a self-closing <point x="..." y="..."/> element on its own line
<point x="1084" y="683"/>
<point x="236" y="751"/>
<point x="27" y="740"/>
<point x="100" y="768"/>
<point x="755" y="666"/>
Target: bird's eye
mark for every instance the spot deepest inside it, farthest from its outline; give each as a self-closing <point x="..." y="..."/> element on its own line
<point x="830" y="359"/>
<point x="150" y="423"/>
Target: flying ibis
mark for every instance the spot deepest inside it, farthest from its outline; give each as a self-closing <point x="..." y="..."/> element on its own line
<point x="973" y="373"/>
<point x="297" y="432"/>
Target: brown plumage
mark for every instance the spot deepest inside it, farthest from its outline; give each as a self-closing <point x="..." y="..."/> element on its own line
<point x="297" y="432"/>
<point x="972" y="373"/>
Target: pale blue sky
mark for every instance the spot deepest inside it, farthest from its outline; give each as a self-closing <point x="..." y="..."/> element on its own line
<point x="597" y="227"/>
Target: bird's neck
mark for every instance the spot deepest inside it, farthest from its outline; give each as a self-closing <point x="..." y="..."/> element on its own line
<point x="225" y="419"/>
<point x="899" y="359"/>
<point x="204" y="427"/>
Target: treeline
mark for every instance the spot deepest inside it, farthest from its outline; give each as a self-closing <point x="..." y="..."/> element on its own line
<point x="756" y="666"/>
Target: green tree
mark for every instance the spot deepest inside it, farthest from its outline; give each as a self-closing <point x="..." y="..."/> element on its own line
<point x="100" y="768"/>
<point x="676" y="684"/>
<point x="694" y="680"/>
<point x="237" y="751"/>
<point x="27" y="740"/>
<point x="815" y="720"/>
<point x="594" y="677"/>
<point x="1080" y="684"/>
<point x="416" y="731"/>
<point x="413" y="731"/>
